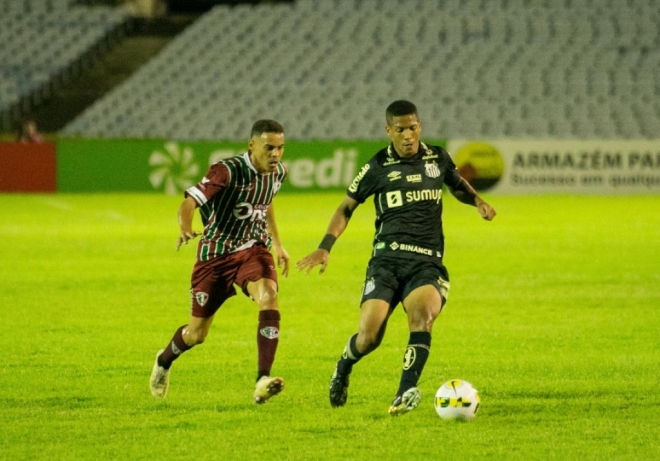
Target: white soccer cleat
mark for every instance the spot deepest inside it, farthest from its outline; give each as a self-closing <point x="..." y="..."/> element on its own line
<point x="160" y="379"/>
<point x="266" y="388"/>
<point x="406" y="402"/>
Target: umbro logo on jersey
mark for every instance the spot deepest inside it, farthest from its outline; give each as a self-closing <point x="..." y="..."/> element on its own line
<point x="394" y="175"/>
<point x="414" y="178"/>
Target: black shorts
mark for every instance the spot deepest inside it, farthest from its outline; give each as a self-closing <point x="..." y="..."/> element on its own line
<point x="393" y="279"/>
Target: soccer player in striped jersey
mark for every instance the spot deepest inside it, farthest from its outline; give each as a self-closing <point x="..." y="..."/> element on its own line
<point x="234" y="199"/>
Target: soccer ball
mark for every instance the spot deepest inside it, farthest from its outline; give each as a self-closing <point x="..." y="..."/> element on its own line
<point x="456" y="399"/>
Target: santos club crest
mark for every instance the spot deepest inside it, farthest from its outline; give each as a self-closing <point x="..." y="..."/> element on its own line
<point x="409" y="358"/>
<point x="432" y="170"/>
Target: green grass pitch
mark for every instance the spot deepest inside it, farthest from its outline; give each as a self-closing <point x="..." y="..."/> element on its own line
<point x="553" y="316"/>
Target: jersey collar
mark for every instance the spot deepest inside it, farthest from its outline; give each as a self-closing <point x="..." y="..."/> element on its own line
<point x="246" y="156"/>
<point x="393" y="154"/>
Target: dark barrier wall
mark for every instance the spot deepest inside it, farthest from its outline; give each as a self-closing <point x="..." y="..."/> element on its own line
<point x="27" y="167"/>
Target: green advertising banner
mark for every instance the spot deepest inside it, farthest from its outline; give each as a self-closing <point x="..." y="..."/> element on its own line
<point x="151" y="165"/>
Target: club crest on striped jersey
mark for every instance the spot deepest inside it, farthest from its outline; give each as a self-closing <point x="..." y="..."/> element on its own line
<point x="201" y="297"/>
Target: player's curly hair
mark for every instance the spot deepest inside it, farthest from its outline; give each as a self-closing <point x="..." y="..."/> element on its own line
<point x="399" y="108"/>
<point x="266" y="126"/>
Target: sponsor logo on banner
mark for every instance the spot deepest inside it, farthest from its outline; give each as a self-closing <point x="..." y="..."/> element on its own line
<point x="560" y="166"/>
<point x="480" y="164"/>
<point x="174" y="170"/>
<point x="172" y="166"/>
<point x="336" y="169"/>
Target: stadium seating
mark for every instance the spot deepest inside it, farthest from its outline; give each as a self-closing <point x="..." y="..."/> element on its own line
<point x="327" y="69"/>
<point x="42" y="39"/>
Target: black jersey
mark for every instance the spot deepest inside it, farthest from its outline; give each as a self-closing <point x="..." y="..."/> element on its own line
<point x="408" y="199"/>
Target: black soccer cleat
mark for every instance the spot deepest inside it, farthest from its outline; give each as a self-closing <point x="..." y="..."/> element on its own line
<point x="338" y="390"/>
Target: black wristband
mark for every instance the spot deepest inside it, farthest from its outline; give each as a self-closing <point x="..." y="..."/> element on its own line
<point x="327" y="242"/>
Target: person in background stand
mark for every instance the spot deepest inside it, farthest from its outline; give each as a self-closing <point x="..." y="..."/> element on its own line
<point x="29" y="133"/>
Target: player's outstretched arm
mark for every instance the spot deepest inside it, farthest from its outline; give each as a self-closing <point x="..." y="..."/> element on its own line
<point x="337" y="225"/>
<point x="465" y="193"/>
<point x="186" y="214"/>
<point x="280" y="253"/>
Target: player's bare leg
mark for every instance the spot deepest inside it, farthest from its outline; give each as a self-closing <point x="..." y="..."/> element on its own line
<point x="422" y="306"/>
<point x="373" y="322"/>
<point x="264" y="293"/>
<point x="184" y="339"/>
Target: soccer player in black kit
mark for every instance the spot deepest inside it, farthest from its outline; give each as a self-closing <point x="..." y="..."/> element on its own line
<point x="406" y="180"/>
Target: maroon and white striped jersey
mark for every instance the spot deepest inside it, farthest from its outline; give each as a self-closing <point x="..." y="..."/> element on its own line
<point x="233" y="198"/>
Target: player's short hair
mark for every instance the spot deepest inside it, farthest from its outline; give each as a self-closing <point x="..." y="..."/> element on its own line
<point x="265" y="126"/>
<point x="399" y="108"/>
